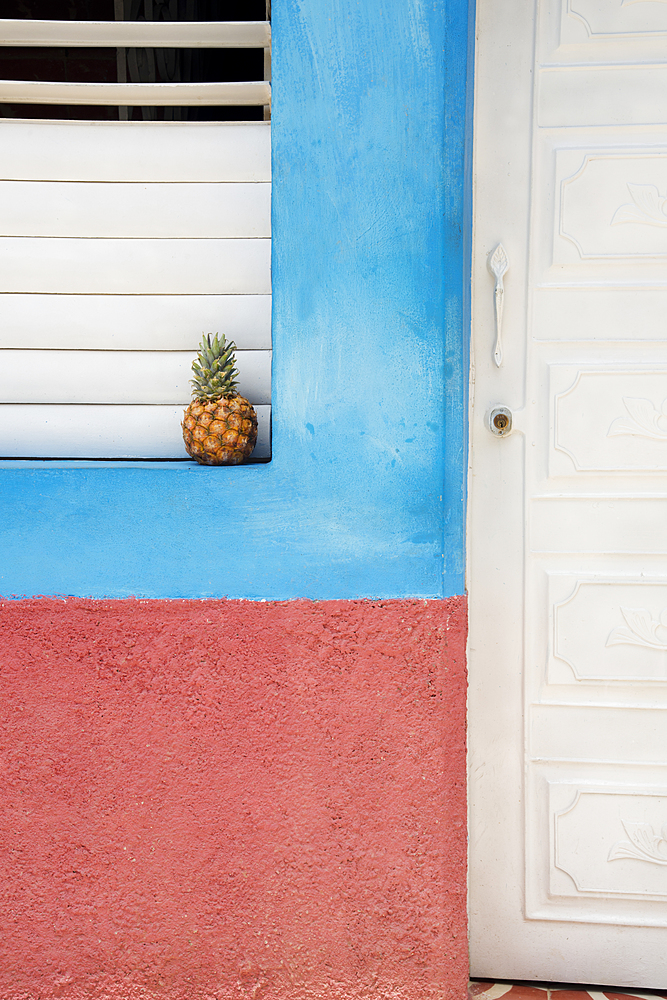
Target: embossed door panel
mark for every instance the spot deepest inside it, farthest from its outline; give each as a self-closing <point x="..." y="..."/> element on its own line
<point x="608" y="420"/>
<point x="599" y="852"/>
<point x="568" y="512"/>
<point x="606" y="630"/>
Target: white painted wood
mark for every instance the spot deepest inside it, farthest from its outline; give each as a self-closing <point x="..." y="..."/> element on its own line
<point x="616" y="95"/>
<point x="135" y="151"/>
<point x="158" y="211"/>
<point x="120" y="248"/>
<point x="153" y="267"/>
<point x="567" y="535"/>
<point x="118" y="376"/>
<point x="136" y="94"/>
<point x="35" y="431"/>
<point x="133" y="322"/>
<point x="173" y="34"/>
<point x="595" y="316"/>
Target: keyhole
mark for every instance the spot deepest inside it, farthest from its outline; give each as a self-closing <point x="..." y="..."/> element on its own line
<point x="500" y="421"/>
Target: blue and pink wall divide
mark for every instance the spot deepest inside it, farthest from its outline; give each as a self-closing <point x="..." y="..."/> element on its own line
<point x="233" y="699"/>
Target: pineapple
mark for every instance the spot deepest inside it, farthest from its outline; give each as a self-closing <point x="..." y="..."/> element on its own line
<point x="219" y="425"/>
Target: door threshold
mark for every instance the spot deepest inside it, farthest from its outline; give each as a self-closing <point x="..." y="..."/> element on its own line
<point x="495" y="989"/>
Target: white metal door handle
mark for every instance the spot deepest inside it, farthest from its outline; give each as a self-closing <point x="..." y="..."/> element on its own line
<point x="498" y="264"/>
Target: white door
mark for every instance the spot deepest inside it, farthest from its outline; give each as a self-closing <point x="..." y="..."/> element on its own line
<point x="568" y="511"/>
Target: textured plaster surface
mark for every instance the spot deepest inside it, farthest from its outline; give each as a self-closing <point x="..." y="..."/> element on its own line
<point x="365" y="493"/>
<point x="228" y="800"/>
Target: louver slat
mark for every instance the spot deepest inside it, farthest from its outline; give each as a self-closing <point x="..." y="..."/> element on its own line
<point x="118" y="376"/>
<point x="136" y="94"/>
<point x="61" y="431"/>
<point x="156" y="211"/>
<point x="135" y="151"/>
<point x="132" y="322"/>
<point x="148" y="267"/>
<point x="153" y="34"/>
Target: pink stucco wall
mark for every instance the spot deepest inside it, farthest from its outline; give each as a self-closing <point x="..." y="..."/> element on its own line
<point x="210" y="799"/>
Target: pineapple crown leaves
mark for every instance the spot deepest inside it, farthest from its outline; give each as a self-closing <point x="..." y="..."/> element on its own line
<point x="214" y="373"/>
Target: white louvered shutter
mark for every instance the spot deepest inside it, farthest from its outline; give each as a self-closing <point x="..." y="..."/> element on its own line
<point x="121" y="242"/>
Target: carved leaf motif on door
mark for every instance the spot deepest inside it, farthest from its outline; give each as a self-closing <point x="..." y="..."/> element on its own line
<point x="648" y="208"/>
<point x="642" y="629"/>
<point x="645" y="419"/>
<point x="644" y="844"/>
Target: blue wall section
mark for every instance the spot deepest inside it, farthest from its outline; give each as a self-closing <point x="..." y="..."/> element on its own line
<point x="365" y="493"/>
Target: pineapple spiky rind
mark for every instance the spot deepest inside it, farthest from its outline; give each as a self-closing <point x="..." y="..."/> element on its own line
<point x="219" y="425"/>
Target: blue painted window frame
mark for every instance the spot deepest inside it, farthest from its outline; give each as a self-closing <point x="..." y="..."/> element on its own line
<point x="365" y="493"/>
